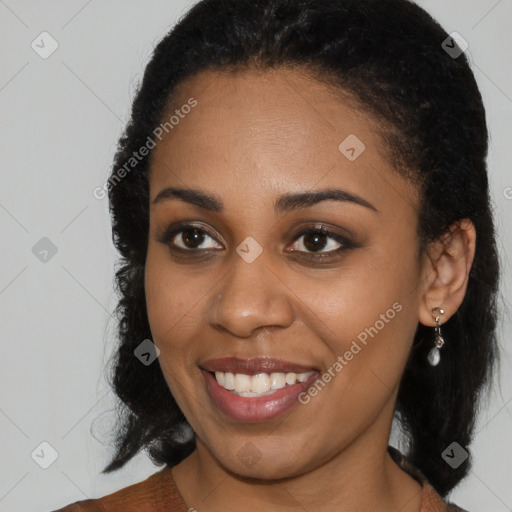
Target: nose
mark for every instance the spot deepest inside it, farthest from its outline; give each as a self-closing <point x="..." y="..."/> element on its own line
<point x="252" y="296"/>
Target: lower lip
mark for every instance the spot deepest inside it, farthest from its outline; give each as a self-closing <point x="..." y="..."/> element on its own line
<point x="255" y="409"/>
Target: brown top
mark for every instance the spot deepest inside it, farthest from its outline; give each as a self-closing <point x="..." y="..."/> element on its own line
<point x="158" y="493"/>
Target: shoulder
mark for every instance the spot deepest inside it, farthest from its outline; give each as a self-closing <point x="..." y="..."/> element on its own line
<point x="158" y="493"/>
<point x="431" y="500"/>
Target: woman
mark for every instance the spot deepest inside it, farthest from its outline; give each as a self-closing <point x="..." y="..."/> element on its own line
<point x="301" y="203"/>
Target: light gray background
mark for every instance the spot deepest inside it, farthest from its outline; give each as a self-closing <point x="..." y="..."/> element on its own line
<point x="60" y="121"/>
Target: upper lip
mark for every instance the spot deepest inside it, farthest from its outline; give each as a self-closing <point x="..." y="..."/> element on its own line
<point x="254" y="365"/>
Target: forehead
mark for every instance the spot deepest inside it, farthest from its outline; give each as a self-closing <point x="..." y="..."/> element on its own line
<point x="270" y="131"/>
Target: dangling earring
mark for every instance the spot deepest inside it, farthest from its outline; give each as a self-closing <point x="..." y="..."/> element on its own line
<point x="434" y="356"/>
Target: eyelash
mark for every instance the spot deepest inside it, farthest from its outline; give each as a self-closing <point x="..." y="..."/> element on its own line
<point x="169" y="234"/>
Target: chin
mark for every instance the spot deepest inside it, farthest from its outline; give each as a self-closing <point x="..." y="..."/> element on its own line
<point x="250" y="463"/>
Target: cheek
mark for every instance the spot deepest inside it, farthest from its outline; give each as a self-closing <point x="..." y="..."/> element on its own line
<point x="169" y="300"/>
<point x="171" y="320"/>
<point x="368" y="289"/>
<point x="367" y="315"/>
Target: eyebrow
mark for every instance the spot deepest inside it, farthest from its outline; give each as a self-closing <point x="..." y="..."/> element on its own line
<point x="285" y="203"/>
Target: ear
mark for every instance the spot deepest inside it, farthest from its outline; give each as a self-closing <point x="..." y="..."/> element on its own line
<point x="445" y="271"/>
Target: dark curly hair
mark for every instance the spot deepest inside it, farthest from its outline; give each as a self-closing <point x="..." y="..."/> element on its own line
<point x="388" y="55"/>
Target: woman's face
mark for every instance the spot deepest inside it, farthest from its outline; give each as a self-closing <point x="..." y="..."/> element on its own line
<point x="244" y="283"/>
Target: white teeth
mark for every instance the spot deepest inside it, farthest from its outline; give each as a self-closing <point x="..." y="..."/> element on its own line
<point x="260" y="384"/>
<point x="229" y="381"/>
<point x="242" y="383"/>
<point x="277" y="380"/>
<point x="220" y="378"/>
<point x="303" y="377"/>
<point x="291" y="378"/>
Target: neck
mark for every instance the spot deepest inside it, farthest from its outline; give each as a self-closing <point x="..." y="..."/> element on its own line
<point x="361" y="476"/>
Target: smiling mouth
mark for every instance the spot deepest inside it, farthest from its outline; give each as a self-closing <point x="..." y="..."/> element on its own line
<point x="260" y="384"/>
<point x="257" y="389"/>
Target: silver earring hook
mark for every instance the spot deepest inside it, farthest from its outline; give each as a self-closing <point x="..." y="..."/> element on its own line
<point x="434" y="356"/>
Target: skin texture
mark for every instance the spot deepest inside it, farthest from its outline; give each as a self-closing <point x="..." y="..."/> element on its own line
<point x="253" y="137"/>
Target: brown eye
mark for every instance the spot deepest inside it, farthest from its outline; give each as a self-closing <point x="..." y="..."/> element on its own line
<point x="192" y="238"/>
<point x="187" y="237"/>
<point x="315" y="240"/>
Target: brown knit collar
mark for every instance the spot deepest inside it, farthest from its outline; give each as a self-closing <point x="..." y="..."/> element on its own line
<point x="431" y="500"/>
